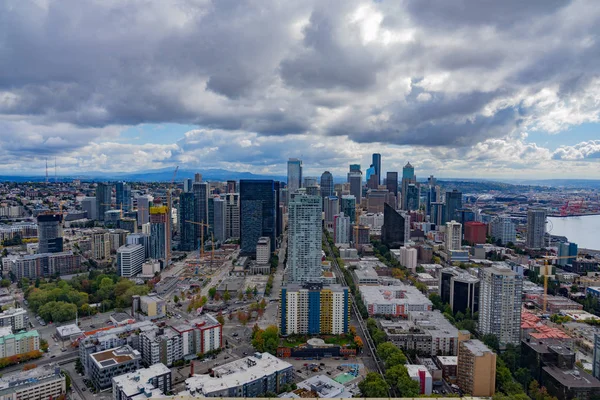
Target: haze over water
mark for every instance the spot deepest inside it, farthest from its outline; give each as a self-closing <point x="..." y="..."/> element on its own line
<point x="585" y="231"/>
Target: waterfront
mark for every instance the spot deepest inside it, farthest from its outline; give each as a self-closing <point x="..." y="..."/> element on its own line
<point x="585" y="230"/>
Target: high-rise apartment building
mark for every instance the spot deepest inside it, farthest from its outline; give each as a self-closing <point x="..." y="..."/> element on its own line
<point x="231" y="186"/>
<point x="567" y="250"/>
<point x="331" y="206"/>
<point x="294" y="175"/>
<point x="348" y="207"/>
<point x="304" y="239"/>
<point x="536" y="228"/>
<point x="408" y="177"/>
<point x="187" y="185"/>
<point x="233" y="215"/>
<point x="438" y="213"/>
<point x="475" y="232"/>
<point x="395" y="231"/>
<point x="453" y="235"/>
<point x="502" y="228"/>
<point x="341" y="228"/>
<point x="103" y="199"/>
<point x="453" y="203"/>
<point x="326" y="184"/>
<point x="258" y="213"/>
<point x="355" y="180"/>
<point x="187" y="214"/>
<point x="201" y="192"/>
<point x="314" y="309"/>
<point x="158" y="232"/>
<point x="220" y="219"/>
<point x="476" y="368"/>
<point x="130" y="258"/>
<point x="50" y="236"/>
<point x="500" y="304"/>
<point x="123" y="196"/>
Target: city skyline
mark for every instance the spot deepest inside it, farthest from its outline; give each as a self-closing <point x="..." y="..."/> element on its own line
<point x="466" y="94"/>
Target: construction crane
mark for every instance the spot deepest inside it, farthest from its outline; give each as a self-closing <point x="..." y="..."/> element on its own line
<point x="547" y="271"/>
<point x="169" y="216"/>
<point x="202" y="225"/>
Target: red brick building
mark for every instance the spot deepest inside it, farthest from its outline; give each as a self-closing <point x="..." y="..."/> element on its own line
<point x="475" y="232"/>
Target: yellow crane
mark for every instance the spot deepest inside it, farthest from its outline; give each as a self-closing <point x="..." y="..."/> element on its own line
<point x="202" y="225"/>
<point x="547" y="271"/>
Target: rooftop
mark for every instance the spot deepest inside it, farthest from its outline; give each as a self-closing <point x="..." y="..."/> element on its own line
<point x="397" y="294"/>
<point x="34" y="375"/>
<point x="477" y="347"/>
<point x="5" y="331"/>
<point x="448" y="360"/>
<point x="324" y="386"/>
<point x="19" y="336"/>
<point x="236" y="373"/>
<point x="12" y="312"/>
<point x="68" y="330"/>
<point x="140" y="380"/>
<point x="573" y="378"/>
<point x="112" y="357"/>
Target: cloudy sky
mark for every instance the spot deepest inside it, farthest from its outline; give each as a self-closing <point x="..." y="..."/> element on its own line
<point x="464" y="88"/>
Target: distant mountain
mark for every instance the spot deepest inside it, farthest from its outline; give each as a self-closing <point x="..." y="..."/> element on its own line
<point x="560" y="183"/>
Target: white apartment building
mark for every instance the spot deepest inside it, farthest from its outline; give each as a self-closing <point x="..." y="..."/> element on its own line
<point x="304" y="239"/>
<point x="130" y="259"/>
<point x="453" y="235"/>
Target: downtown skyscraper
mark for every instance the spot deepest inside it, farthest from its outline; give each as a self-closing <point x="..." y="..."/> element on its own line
<point x="187" y="230"/>
<point x="103" y="199"/>
<point x="123" y="196"/>
<point x="304" y="239"/>
<point x="258" y="213"/>
<point x="408" y="177"/>
<point x="536" y="228"/>
<point x="294" y="175"/>
<point x="326" y="184"/>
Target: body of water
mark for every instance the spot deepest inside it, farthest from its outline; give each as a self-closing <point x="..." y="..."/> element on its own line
<point x="585" y="231"/>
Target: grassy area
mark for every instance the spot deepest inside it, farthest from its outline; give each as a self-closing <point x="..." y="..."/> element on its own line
<point x="293" y="341"/>
<point x="338" y="340"/>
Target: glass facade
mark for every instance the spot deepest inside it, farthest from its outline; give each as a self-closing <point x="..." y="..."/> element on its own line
<point x="258" y="214"/>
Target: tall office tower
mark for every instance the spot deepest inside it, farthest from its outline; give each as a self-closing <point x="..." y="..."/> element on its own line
<point x="123" y="196"/>
<point x="460" y="289"/>
<point x="304" y="239"/>
<point x="103" y="199"/>
<point x="500" y="304"/>
<point x="412" y="197"/>
<point x="197" y="177"/>
<point x="50" y="233"/>
<point x="341" y="228"/>
<point x="408" y="177"/>
<point x="258" y="213"/>
<point x="326" y="184"/>
<point x="371" y="173"/>
<point x="143" y="210"/>
<point x="348" y="207"/>
<point x="373" y="182"/>
<point x="355" y="180"/>
<point x="231" y="186"/>
<point x="88" y="204"/>
<point x="278" y="209"/>
<point x="187" y="185"/>
<point x="140" y="238"/>
<point x="158" y="232"/>
<point x="354" y="167"/>
<point x="233" y="215"/>
<point x="453" y="235"/>
<point x="130" y="258"/>
<point x="395" y="231"/>
<point x="376" y="164"/>
<point x="391" y="183"/>
<point x="332" y="208"/>
<point x="294" y="175"/>
<point x="220" y="219"/>
<point x="187" y="213"/>
<point x="453" y="203"/>
<point x="476" y="368"/>
<point x="201" y="191"/>
<point x="536" y="228"/>
<point x="310" y="181"/>
<point x="567" y="250"/>
<point x="211" y="215"/>
<point x="312" y="190"/>
<point x="438" y="213"/>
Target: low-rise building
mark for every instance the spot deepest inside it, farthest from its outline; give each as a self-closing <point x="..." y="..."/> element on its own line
<point x="476" y="368"/>
<point x="150" y="307"/>
<point x="161" y="346"/>
<point x="252" y="376"/>
<point x="448" y="365"/>
<point x="107" y="364"/>
<point x="68" y="332"/>
<point x="420" y="374"/>
<point x="15" y="318"/>
<point x="396" y="301"/>
<point x="201" y="335"/>
<point x="44" y="382"/>
<point x="19" y="343"/>
<point x="322" y="387"/>
<point x="154" y="381"/>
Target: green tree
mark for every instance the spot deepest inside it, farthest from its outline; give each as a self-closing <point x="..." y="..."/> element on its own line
<point x="212" y="292"/>
<point x="5" y="282"/>
<point x="226" y="295"/>
<point x="491" y="341"/>
<point x="176" y="299"/>
<point x="373" y="386"/>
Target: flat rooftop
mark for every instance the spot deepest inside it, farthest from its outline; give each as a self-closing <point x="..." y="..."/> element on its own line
<point x="477" y="347"/>
<point x="132" y="383"/>
<point x="448" y="360"/>
<point x="111" y="357"/>
<point x="573" y="378"/>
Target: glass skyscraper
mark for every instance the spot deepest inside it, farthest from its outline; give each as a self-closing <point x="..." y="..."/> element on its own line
<point x="258" y="213"/>
<point x="348" y="207"/>
<point x="453" y="203"/>
<point x="376" y="164"/>
<point x="326" y="184"/>
<point x="187" y="230"/>
<point x="103" y="199"/>
<point x="123" y="196"/>
<point x="294" y="175"/>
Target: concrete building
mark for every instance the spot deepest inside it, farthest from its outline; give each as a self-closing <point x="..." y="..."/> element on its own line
<point x="220" y="219"/>
<point x="44" y="265"/>
<point x="161" y="346"/>
<point x="16" y="344"/>
<point x="88" y="204"/>
<point x="331" y="206"/>
<point x="263" y="250"/>
<point x="323" y="386"/>
<point x="143" y="210"/>
<point x="233" y="215"/>
<point x="252" y="376"/>
<point x="341" y="229"/>
<point x="396" y="301"/>
<point x="460" y="289"/>
<point x="503" y="228"/>
<point x="201" y="335"/>
<point x="158" y="232"/>
<point x="500" y="304"/>
<point x="475" y="232"/>
<point x="100" y="243"/>
<point x="453" y="236"/>
<point x="314" y="309"/>
<point x="420" y="374"/>
<point x="154" y="381"/>
<point x="68" y="332"/>
<point x="449" y="367"/>
<point x="408" y="257"/>
<point x="130" y="259"/>
<point x="151" y="306"/>
<point x="44" y="382"/>
<point x="107" y="364"/>
<point x="14" y="318"/>
<point x="536" y="228"/>
<point x="304" y="239"/>
<point x="476" y="368"/>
